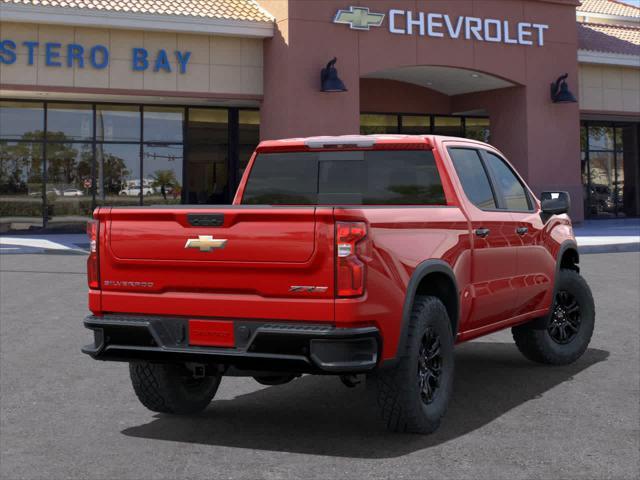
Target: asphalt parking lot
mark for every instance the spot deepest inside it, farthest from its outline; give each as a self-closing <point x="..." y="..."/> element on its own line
<point x="64" y="415"/>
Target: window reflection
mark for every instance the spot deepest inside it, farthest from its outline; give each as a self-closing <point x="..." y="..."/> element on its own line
<point x="601" y="138"/>
<point x="69" y="198"/>
<point x="371" y="124"/>
<point x="21" y="120"/>
<point x="416" y="124"/>
<point x="207" y="156"/>
<point x="450" y="126"/>
<point x="118" y="174"/>
<point x="118" y="123"/>
<point x="21" y="186"/>
<point x="163" y="124"/>
<point x="248" y="138"/>
<point x="132" y="155"/>
<point x="610" y="152"/>
<point x="602" y="180"/>
<point x="162" y="181"/>
<point x="66" y="122"/>
<point x="478" y="129"/>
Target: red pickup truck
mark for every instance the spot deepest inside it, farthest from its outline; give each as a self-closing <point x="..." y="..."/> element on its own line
<point x="349" y="256"/>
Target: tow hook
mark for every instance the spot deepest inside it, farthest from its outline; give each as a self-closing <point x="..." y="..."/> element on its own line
<point x="350" y="381"/>
<point x="198" y="370"/>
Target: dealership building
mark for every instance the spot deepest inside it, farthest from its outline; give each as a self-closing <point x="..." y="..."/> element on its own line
<point x="135" y="102"/>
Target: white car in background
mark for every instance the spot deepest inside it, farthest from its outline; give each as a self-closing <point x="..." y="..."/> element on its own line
<point x="72" y="192"/>
<point x="135" y="190"/>
<point x="50" y="191"/>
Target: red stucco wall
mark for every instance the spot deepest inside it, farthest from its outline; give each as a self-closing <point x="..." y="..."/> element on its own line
<point x="540" y="137"/>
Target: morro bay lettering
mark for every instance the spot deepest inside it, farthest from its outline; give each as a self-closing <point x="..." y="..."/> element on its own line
<point x="97" y="56"/>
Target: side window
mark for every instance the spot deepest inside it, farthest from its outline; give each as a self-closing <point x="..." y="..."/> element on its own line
<point x="473" y="177"/>
<point x="509" y="187"/>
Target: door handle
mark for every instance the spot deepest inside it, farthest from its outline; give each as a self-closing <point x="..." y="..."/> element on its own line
<point x="522" y="231"/>
<point x="483" y="232"/>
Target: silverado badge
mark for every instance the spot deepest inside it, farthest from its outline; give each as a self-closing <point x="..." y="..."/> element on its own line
<point x="205" y="243"/>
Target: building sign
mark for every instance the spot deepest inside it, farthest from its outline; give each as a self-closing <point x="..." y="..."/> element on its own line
<point x="96" y="56"/>
<point x="442" y="25"/>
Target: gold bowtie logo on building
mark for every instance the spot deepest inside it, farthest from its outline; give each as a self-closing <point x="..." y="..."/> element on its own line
<point x="359" y="18"/>
<point x="205" y="243"/>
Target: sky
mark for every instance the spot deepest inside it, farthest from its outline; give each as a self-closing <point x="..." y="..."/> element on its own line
<point x="635" y="3"/>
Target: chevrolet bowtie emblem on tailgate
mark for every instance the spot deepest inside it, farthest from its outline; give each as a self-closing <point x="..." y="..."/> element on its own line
<point x="359" y="18"/>
<point x="205" y="243"/>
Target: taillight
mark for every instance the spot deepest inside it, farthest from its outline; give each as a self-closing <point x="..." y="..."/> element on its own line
<point x="93" y="266"/>
<point x="350" y="270"/>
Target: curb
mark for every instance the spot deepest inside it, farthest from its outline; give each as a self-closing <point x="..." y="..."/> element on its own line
<point x="617" y="248"/>
<point x="51" y="251"/>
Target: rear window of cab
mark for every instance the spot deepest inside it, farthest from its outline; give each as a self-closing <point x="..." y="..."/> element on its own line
<point x="405" y="177"/>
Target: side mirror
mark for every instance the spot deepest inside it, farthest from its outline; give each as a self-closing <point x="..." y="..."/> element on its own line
<point x="555" y="203"/>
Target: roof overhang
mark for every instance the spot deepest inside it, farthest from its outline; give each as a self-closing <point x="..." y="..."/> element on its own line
<point x="605" y="16"/>
<point x="606" y="58"/>
<point x="12" y="12"/>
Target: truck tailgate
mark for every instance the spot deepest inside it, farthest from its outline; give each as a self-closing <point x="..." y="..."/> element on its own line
<point x="230" y="262"/>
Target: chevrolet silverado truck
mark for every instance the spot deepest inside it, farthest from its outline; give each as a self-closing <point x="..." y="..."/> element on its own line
<point x="351" y="256"/>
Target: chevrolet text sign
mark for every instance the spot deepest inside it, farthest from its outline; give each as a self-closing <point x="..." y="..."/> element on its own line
<point x="441" y="25"/>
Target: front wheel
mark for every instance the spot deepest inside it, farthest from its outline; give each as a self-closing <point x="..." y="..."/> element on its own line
<point x="168" y="388"/>
<point x="569" y="327"/>
<point x="414" y="395"/>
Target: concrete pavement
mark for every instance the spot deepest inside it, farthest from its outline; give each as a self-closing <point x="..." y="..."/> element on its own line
<point x="63" y="415"/>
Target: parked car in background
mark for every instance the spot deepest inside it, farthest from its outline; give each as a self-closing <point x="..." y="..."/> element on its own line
<point x="339" y="256"/>
<point x="132" y="188"/>
<point x="72" y="192"/>
<point x="50" y="191"/>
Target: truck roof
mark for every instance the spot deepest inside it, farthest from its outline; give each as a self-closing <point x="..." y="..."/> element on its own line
<point x="354" y="141"/>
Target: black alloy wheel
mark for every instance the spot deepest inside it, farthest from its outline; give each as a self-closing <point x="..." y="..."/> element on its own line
<point x="566" y="319"/>
<point x="429" y="366"/>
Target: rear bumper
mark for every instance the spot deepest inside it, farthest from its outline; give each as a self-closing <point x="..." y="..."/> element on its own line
<point x="260" y="346"/>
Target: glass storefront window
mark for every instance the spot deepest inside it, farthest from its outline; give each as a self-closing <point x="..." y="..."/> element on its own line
<point x="118" y="123"/>
<point x="416" y="124"/>
<point x="21" y="186"/>
<point x="207" y="156"/>
<point x="118" y="174"/>
<point x="21" y="120"/>
<point x="68" y="122"/>
<point x="450" y="126"/>
<point x="602" y="184"/>
<point x="611" y="169"/>
<point x="601" y="138"/>
<point x="109" y="154"/>
<point x="371" y="123"/>
<point x="69" y="196"/>
<point x="163" y="124"/>
<point x="248" y="137"/>
<point x="162" y="167"/>
<point x="477" y="129"/>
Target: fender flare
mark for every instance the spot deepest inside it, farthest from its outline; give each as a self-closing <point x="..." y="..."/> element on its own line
<point x="566" y="245"/>
<point x="422" y="270"/>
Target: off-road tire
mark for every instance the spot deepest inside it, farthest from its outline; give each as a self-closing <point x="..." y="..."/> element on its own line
<point x="168" y="388"/>
<point x="537" y="343"/>
<point x="397" y="390"/>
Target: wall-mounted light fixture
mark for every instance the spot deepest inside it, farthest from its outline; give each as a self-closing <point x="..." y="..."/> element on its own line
<point x="560" y="92"/>
<point x="329" y="80"/>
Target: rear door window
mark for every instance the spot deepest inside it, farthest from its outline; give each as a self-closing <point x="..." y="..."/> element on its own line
<point x="474" y="177"/>
<point x="512" y="192"/>
<point x="350" y="178"/>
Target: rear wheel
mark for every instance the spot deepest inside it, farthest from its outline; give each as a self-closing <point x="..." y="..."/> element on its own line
<point x="168" y="388"/>
<point x="414" y="395"/>
<point x="569" y="328"/>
